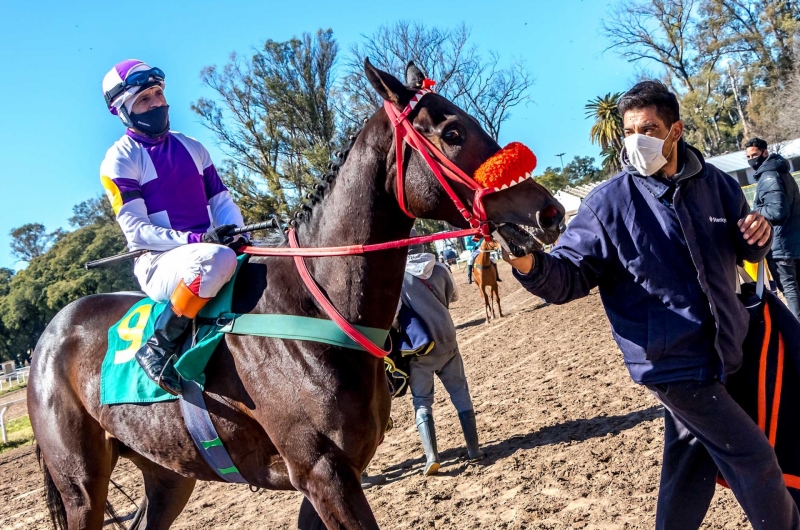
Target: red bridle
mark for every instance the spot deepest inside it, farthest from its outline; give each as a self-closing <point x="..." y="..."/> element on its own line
<point x="441" y="166"/>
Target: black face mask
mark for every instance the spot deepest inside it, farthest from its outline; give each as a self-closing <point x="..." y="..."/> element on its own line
<point x="153" y="123"/>
<point x="755" y="163"/>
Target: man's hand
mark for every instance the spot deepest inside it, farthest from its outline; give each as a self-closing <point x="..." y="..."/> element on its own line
<point x="755" y="229"/>
<point x="219" y="235"/>
<point x="523" y="264"/>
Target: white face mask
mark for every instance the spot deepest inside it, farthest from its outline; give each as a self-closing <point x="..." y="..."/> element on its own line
<point x="644" y="152"/>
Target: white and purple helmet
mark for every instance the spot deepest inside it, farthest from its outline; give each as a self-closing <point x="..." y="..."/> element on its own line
<point x="124" y="81"/>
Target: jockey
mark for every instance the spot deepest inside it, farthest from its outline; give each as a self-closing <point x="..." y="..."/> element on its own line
<point x="471" y="263"/>
<point x="168" y="199"/>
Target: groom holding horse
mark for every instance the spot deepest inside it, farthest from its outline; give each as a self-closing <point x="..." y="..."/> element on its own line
<point x="662" y="240"/>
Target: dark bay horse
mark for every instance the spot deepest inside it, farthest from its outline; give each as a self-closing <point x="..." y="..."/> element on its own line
<point x="293" y="415"/>
<point x="485" y="276"/>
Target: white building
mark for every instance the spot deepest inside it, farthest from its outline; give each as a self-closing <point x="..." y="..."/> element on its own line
<point x="571" y="198"/>
<point x="735" y="164"/>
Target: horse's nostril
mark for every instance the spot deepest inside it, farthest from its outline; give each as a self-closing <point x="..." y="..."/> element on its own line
<point x="549" y="217"/>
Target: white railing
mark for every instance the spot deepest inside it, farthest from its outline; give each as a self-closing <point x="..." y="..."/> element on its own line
<point x="20" y="376"/>
<point x="3" y="409"/>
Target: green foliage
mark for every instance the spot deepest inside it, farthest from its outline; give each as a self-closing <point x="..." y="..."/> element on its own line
<point x="581" y="170"/>
<point x="607" y="130"/>
<point x="274" y="115"/>
<point x="31" y="240"/>
<point x="730" y="62"/>
<point x="32" y="296"/>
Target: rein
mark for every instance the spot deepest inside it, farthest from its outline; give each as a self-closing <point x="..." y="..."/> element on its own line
<point x="443" y="168"/>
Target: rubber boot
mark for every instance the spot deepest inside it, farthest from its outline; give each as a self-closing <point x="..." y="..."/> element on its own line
<point x="469" y="274"/>
<point x="470" y="428"/>
<point x="158" y="355"/>
<point x="427" y="433"/>
<point x="496" y="272"/>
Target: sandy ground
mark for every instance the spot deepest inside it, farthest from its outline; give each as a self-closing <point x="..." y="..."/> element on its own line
<point x="571" y="441"/>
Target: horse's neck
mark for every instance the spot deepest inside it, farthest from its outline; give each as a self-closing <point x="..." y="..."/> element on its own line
<point x="357" y="210"/>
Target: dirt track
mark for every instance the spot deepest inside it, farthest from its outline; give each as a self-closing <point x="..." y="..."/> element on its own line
<point x="571" y="441"/>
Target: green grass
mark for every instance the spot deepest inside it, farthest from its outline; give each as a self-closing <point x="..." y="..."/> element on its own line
<point x="19" y="433"/>
<point x="13" y="389"/>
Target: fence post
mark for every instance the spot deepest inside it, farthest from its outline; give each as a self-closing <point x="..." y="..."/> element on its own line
<point x="3" y="424"/>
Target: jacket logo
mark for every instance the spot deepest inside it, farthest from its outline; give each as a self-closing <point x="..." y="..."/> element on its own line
<point x="717" y="219"/>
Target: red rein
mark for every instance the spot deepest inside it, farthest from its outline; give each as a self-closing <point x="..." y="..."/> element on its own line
<point x="441" y="167"/>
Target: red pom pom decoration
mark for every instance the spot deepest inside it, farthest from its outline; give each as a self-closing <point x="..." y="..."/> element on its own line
<point x="509" y="166"/>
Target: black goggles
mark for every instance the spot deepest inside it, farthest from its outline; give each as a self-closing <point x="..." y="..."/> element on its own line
<point x="134" y="79"/>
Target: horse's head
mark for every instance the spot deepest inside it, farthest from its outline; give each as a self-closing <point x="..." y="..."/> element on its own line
<point x="530" y="215"/>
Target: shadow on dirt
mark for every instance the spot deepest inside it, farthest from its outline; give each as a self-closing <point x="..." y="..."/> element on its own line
<point x="454" y="460"/>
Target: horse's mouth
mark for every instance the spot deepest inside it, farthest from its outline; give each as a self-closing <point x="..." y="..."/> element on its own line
<point x="522" y="239"/>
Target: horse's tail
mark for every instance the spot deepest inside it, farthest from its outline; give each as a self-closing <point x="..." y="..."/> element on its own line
<point x="55" y="504"/>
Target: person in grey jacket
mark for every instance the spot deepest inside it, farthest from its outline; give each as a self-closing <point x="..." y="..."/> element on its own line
<point x="778" y="199"/>
<point x="428" y="289"/>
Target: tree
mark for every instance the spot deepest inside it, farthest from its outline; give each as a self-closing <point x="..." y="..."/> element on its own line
<point x="58" y="277"/>
<point x="607" y="129"/>
<point x="95" y="210"/>
<point x="730" y="61"/>
<point x="478" y="84"/>
<point x="31" y="240"/>
<point x="274" y="113"/>
<point x="581" y="170"/>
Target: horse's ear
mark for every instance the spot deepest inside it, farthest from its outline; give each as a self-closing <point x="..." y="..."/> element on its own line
<point x="414" y="76"/>
<point x="388" y="86"/>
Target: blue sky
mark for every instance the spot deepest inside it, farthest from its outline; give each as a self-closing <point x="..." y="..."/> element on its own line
<point x="55" y="129"/>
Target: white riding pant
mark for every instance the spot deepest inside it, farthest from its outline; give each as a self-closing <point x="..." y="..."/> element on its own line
<point x="159" y="272"/>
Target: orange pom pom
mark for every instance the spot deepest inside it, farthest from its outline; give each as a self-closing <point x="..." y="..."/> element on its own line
<point x="511" y="165"/>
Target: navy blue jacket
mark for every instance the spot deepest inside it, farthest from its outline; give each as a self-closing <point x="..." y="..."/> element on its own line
<point x="664" y="255"/>
<point x="778" y="199"/>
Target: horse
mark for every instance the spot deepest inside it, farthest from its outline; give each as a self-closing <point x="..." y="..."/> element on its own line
<point x="293" y="415"/>
<point x="485" y="276"/>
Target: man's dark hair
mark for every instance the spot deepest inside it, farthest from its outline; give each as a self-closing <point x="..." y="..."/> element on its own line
<point x="651" y="94"/>
<point x="756" y="142"/>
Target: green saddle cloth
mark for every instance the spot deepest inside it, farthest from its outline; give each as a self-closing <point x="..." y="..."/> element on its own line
<point x="122" y="380"/>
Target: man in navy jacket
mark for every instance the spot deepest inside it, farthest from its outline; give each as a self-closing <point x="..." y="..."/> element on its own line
<point x="662" y="240"/>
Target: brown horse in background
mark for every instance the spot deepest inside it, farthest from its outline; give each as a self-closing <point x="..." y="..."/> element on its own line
<point x="485" y="275"/>
<point x="292" y="414"/>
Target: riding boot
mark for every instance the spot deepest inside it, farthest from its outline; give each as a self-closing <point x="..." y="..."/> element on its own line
<point x="469" y="274"/>
<point x="427" y="434"/>
<point x="470" y="428"/>
<point x="158" y="355"/>
<point x="496" y="272"/>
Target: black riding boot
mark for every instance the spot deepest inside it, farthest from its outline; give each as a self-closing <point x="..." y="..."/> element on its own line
<point x="158" y="355"/>
<point x="469" y="274"/>
<point x="470" y="428"/>
<point x="427" y="433"/>
<point x="496" y="272"/>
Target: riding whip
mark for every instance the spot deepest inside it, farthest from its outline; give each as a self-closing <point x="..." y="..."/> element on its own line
<point x="272" y="223"/>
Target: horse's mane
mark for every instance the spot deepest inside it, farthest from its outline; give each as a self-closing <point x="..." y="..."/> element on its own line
<point x="314" y="196"/>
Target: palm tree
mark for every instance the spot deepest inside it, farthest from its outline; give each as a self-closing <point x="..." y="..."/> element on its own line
<point x="607" y="129"/>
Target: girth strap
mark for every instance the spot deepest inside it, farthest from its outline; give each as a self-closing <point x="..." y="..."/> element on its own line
<point x="293" y="327"/>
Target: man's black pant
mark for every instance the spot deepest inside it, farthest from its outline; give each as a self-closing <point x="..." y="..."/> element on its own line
<point x="786" y="274"/>
<point x="706" y="430"/>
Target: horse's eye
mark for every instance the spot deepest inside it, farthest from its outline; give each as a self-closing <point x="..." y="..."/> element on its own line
<point x="452" y="136"/>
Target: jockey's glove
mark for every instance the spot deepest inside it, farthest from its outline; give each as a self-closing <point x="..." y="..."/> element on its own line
<point x="240" y="242"/>
<point x="220" y="235"/>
